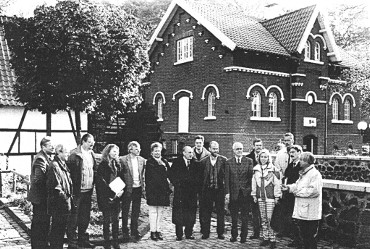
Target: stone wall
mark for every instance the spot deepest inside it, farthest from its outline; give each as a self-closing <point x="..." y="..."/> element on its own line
<point x="344" y="168"/>
<point x="346" y="213"/>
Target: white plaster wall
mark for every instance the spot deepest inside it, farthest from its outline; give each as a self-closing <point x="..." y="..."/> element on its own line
<point x="30" y="141"/>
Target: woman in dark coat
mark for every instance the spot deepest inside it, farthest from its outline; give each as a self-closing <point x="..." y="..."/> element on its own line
<point x="108" y="201"/>
<point x="59" y="188"/>
<point x="157" y="189"/>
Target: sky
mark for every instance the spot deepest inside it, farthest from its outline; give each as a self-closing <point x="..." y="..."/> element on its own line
<point x="26" y="7"/>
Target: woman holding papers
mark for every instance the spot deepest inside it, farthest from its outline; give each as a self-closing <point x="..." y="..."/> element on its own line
<point x="109" y="187"/>
<point x="157" y="189"/>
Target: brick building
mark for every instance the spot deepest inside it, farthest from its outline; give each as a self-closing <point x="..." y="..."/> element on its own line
<point x="230" y="77"/>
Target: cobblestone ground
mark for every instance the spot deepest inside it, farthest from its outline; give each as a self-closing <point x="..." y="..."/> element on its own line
<point x="11" y="234"/>
<point x="13" y="237"/>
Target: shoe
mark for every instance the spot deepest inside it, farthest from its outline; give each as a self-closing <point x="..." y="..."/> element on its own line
<point x="205" y="236"/>
<point x="159" y="235"/>
<point x="115" y="245"/>
<point x="190" y="237"/>
<point x="221" y="236"/>
<point x="178" y="238"/>
<point x="243" y="240"/>
<point x="272" y="245"/>
<point x="86" y="244"/>
<point x="265" y="243"/>
<point x="254" y="236"/>
<point x="153" y="236"/>
<point x="232" y="239"/>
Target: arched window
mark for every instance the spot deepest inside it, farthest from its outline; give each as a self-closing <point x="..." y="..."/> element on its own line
<point x="211" y="104"/>
<point x="273" y="105"/>
<point x="256" y="104"/>
<point x="307" y="54"/>
<point x="183" y="118"/>
<point x="335" y="109"/>
<point x="347" y="110"/>
<point x="317" y="51"/>
<point x="160" y="108"/>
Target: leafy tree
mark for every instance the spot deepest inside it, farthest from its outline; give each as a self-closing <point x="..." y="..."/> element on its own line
<point x="78" y="56"/>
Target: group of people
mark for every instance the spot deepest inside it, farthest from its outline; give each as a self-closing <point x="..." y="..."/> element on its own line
<point x="62" y="188"/>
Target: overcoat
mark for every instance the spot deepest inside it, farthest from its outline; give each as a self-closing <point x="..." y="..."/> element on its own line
<point x="59" y="187"/>
<point x="186" y="181"/>
<point x="156" y="180"/>
<point x="105" y="174"/>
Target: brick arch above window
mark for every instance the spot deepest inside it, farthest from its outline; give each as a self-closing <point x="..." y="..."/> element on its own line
<point x="216" y="90"/>
<point x="180" y="91"/>
<point x="161" y="94"/>
<point x="321" y="37"/>
<point x="266" y="90"/>
<point x="343" y="97"/>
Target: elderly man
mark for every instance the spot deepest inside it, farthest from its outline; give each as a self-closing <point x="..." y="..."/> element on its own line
<point x="38" y="195"/>
<point x="308" y="199"/>
<point x="184" y="175"/>
<point x="82" y="165"/>
<point x="133" y="168"/>
<point x="238" y="181"/>
<point x="213" y="191"/>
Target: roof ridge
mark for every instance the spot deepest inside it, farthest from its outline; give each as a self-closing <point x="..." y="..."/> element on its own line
<point x="289" y="13"/>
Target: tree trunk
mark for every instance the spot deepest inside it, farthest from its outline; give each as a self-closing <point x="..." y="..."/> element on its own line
<point x="78" y="125"/>
<point x="48" y="124"/>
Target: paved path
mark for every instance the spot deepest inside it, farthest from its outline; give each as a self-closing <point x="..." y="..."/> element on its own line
<point x="12" y="236"/>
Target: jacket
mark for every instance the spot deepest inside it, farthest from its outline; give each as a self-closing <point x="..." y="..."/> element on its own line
<point x="308" y="195"/>
<point x="271" y="183"/>
<point x="59" y="187"/>
<point x="156" y="183"/>
<point x="282" y="160"/>
<point x="75" y="165"/>
<point x="40" y="165"/>
<point x="127" y="175"/>
<point x="238" y="177"/>
<point x="105" y="174"/>
<point x="205" y="153"/>
<point x="206" y="169"/>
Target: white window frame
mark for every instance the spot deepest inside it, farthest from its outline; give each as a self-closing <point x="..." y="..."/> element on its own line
<point x="183" y="112"/>
<point x="184" y="50"/>
<point x="273" y="105"/>
<point x="256" y="104"/>
<point x="347" y="110"/>
<point x="317" y="51"/>
<point x="335" y="109"/>
<point x="307" y="53"/>
<point x="211" y="102"/>
<point x="160" y="109"/>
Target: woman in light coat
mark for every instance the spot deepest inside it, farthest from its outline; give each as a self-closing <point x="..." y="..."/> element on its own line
<point x="266" y="190"/>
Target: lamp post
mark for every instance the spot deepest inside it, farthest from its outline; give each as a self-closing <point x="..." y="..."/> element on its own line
<point x="362" y="127"/>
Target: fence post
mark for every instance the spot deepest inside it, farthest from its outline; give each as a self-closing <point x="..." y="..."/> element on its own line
<point x="14" y="182"/>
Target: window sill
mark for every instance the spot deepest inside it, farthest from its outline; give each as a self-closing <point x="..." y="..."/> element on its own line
<point x="160" y="120"/>
<point x="314" y="62"/>
<point x="268" y="119"/>
<point x="182" y="61"/>
<point x="210" y="118"/>
<point x="334" y="121"/>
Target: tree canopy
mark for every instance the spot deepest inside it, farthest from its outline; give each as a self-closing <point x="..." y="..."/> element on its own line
<point x="78" y="55"/>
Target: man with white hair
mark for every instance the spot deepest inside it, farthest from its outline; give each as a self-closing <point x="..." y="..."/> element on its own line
<point x="238" y="181"/>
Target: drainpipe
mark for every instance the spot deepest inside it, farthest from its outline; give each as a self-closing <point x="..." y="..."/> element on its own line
<point x="326" y="122"/>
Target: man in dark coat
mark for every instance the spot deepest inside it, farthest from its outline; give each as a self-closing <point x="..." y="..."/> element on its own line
<point x="38" y="195"/>
<point x="256" y="216"/>
<point x="184" y="175"/>
<point x="213" y="191"/>
<point x="291" y="175"/>
<point x="238" y="181"/>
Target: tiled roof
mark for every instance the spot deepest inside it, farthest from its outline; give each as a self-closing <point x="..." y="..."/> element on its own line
<point x="246" y="32"/>
<point x="288" y="29"/>
<point x="7" y="76"/>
